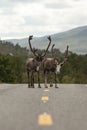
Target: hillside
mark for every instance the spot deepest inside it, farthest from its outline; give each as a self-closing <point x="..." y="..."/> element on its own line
<point x="7" y="48"/>
<point x="76" y="38"/>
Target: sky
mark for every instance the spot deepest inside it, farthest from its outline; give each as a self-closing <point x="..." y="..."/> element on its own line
<point x="21" y="18"/>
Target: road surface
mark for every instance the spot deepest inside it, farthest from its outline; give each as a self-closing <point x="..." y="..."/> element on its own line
<point x="23" y="108"/>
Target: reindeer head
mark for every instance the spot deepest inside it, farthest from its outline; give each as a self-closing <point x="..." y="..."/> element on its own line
<point x="39" y="56"/>
<point x="59" y="65"/>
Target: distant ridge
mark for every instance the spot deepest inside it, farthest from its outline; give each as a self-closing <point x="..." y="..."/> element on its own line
<point x="76" y="38"/>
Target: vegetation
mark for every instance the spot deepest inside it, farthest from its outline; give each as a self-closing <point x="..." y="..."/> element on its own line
<point x="13" y="69"/>
<point x="6" y="48"/>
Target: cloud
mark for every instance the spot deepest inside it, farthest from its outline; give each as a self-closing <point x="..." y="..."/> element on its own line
<point x="6" y="3"/>
<point x="25" y="1"/>
<point x="37" y="17"/>
<point x="58" y="5"/>
<point x="7" y="11"/>
<point x="77" y="0"/>
<point x="36" y="20"/>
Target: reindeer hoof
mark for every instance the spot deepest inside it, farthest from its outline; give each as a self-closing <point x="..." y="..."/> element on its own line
<point x="32" y="86"/>
<point x="56" y="87"/>
<point x="46" y="86"/>
<point x="28" y="86"/>
<point x="39" y="86"/>
<point x="51" y="85"/>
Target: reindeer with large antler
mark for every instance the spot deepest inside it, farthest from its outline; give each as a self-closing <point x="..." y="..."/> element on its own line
<point x="33" y="64"/>
<point x="53" y="65"/>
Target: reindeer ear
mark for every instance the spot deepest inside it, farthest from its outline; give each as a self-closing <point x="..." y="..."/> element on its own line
<point x="66" y="59"/>
<point x="57" y="59"/>
<point x="33" y="60"/>
<point x="61" y="64"/>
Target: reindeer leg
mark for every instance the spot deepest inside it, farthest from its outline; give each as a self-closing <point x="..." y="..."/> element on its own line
<point x="56" y="81"/>
<point x="38" y="79"/>
<point x="51" y="83"/>
<point x="45" y="75"/>
<point x="28" y="79"/>
<point x="33" y="79"/>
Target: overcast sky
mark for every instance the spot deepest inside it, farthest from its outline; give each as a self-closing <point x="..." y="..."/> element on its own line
<point x="21" y="18"/>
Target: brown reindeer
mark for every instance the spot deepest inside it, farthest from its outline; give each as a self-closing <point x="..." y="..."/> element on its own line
<point x="52" y="65"/>
<point x="33" y="64"/>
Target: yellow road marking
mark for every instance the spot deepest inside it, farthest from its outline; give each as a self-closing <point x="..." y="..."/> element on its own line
<point x="45" y="119"/>
<point x="44" y="98"/>
<point x="46" y="90"/>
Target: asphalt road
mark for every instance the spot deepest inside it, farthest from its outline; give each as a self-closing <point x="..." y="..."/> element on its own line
<point x="23" y="108"/>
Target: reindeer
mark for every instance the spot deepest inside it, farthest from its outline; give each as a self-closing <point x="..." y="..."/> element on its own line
<point x="52" y="65"/>
<point x="33" y="64"/>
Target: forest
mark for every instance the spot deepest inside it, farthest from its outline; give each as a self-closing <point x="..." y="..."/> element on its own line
<point x="13" y="65"/>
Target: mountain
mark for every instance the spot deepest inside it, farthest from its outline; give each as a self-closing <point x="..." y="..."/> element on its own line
<point x="76" y="39"/>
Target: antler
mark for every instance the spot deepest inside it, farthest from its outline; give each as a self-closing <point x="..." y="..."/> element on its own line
<point x="52" y="49"/>
<point x="49" y="38"/>
<point x="30" y="38"/>
<point x="66" y="55"/>
<point x="32" y="49"/>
